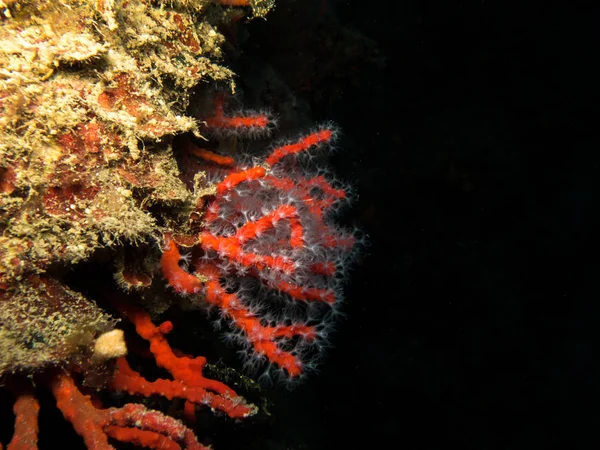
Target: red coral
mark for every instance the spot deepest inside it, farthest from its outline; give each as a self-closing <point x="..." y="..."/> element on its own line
<point x="132" y="423"/>
<point x="188" y="382"/>
<point x="266" y="254"/>
<point x="268" y="223"/>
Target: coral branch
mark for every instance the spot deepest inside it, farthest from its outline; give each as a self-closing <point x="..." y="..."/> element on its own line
<point x="302" y="145"/>
<point x="131" y="423"/>
<point x="245" y="124"/>
<point x="270" y="257"/>
<point x="177" y="278"/>
<point x="26" y="409"/>
<point x="207" y="155"/>
<point x="264" y="339"/>
<point x="234" y="2"/>
<point x="188" y="384"/>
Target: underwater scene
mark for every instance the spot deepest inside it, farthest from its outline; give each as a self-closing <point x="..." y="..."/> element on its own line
<point x="298" y="225"/>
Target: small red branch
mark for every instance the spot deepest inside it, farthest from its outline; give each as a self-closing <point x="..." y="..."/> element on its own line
<point x="244" y="123"/>
<point x="131" y="423"/>
<point x="26" y="409"/>
<point x="177" y="278"/>
<point x="188" y="382"/>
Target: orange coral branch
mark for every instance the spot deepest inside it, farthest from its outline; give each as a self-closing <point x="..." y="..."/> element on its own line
<point x="131" y="423"/>
<point x="246" y="123"/>
<point x="264" y="339"/>
<point x="177" y="278"/>
<point x="188" y="383"/>
<point x="234" y="2"/>
<point x="207" y="155"/>
<point x="26" y="409"/>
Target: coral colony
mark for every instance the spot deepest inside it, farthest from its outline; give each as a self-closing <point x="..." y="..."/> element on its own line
<point x="255" y="241"/>
<point x="267" y="223"/>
